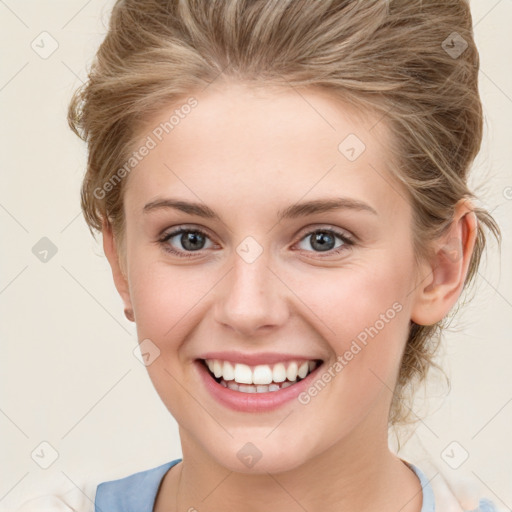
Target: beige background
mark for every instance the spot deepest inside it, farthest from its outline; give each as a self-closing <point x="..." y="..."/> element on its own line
<point x="69" y="376"/>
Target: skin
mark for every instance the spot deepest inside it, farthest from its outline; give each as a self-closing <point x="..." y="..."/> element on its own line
<point x="248" y="153"/>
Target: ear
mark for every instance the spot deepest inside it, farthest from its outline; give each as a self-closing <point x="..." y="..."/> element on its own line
<point x="110" y="247"/>
<point x="443" y="278"/>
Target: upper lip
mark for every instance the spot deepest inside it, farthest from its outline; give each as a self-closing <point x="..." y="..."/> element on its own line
<point x="259" y="358"/>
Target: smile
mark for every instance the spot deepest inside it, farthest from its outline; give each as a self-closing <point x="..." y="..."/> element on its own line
<point x="261" y="378"/>
<point x="260" y="383"/>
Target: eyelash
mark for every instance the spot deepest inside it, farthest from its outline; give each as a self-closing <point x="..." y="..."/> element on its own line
<point x="347" y="242"/>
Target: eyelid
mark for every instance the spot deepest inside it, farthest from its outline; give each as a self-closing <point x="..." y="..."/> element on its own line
<point x="185" y="227"/>
<point x="326" y="227"/>
<point x="169" y="233"/>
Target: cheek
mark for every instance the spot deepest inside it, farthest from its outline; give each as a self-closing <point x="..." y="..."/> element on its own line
<point x="363" y="314"/>
<point x="161" y="296"/>
<point x="363" y="317"/>
<point x="163" y="299"/>
<point x="170" y="302"/>
<point x="351" y="299"/>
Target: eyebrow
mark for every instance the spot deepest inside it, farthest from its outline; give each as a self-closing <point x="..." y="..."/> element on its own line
<point x="291" y="212"/>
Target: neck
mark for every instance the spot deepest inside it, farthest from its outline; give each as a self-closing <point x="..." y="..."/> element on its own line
<point x="355" y="474"/>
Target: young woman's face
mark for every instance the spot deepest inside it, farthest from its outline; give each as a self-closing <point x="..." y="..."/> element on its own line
<point x="254" y="273"/>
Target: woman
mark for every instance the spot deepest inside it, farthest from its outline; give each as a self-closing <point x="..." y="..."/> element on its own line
<point x="281" y="187"/>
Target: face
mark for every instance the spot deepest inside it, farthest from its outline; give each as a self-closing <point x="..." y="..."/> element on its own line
<point x="254" y="274"/>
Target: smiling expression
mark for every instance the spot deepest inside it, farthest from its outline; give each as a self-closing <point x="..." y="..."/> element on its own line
<point x="251" y="228"/>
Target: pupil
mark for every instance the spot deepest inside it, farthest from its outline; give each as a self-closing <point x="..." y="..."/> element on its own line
<point x="189" y="239"/>
<point x="319" y="238"/>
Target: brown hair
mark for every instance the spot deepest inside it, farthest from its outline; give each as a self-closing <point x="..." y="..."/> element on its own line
<point x="413" y="63"/>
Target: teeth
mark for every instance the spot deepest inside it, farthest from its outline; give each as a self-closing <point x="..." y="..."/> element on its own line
<point x="244" y="388"/>
<point x="232" y="385"/>
<point x="228" y="371"/>
<point x="279" y="373"/>
<point x="217" y="368"/>
<point x="291" y="372"/>
<point x="243" y="374"/>
<point x="303" y="369"/>
<point x="264" y="377"/>
<point x="248" y="388"/>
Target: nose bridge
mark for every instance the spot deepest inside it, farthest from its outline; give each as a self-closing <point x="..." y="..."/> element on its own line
<point x="251" y="297"/>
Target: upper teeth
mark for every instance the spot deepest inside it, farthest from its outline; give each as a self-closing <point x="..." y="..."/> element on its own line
<point x="261" y="374"/>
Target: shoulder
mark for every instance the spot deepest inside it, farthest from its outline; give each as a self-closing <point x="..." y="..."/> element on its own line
<point x="133" y="492"/>
<point x="454" y="489"/>
<point x="55" y="496"/>
<point x="460" y="495"/>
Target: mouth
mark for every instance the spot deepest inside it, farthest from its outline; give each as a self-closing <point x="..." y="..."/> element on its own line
<point x="261" y="378"/>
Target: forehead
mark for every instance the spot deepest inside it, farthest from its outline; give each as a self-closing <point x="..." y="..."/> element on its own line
<point x="272" y="146"/>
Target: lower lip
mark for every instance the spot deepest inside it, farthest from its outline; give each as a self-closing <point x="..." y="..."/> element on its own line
<point x="253" y="402"/>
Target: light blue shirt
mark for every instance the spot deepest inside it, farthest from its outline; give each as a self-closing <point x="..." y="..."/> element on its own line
<point x="137" y="492"/>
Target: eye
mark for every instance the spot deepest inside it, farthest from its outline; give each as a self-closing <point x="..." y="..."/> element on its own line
<point x="324" y="240"/>
<point x="192" y="240"/>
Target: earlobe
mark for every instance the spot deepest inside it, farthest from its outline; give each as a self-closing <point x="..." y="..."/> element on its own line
<point x="120" y="279"/>
<point x="443" y="280"/>
<point x="128" y="313"/>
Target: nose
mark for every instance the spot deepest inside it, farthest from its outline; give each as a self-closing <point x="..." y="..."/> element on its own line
<point x="252" y="298"/>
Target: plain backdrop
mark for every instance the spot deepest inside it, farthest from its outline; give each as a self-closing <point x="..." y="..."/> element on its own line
<point x="69" y="377"/>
